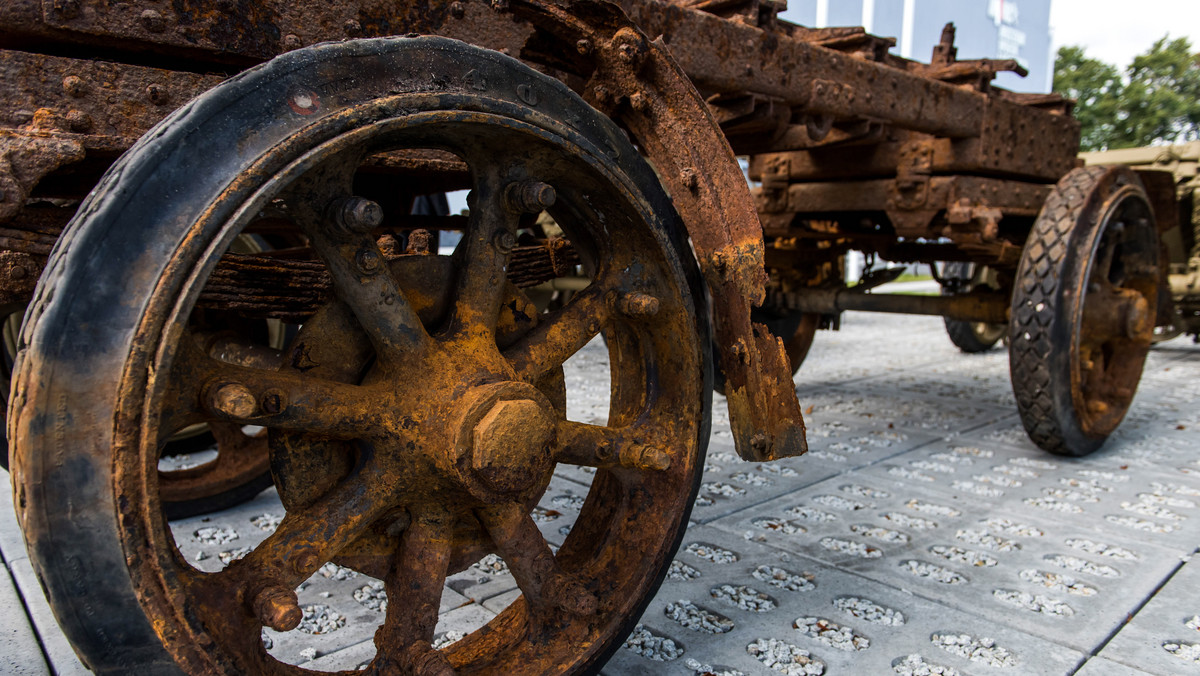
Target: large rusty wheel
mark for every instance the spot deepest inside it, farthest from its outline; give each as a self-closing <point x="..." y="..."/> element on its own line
<point x="1083" y="309"/>
<point x="417" y="417"/>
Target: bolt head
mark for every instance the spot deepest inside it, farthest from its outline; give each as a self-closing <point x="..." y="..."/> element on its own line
<point x="278" y="608"/>
<point x="357" y="215"/>
<point x="234" y="400"/>
<point x="511" y="444"/>
<point x="368" y="261"/>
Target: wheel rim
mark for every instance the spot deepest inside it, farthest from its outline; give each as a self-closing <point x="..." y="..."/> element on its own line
<point x="1115" y="315"/>
<point x="577" y="604"/>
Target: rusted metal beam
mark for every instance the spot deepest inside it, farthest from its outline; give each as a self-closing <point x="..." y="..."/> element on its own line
<point x="978" y="306"/>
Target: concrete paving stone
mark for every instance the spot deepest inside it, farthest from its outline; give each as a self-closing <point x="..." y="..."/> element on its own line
<point x="1094" y="493"/>
<point x="1098" y="666"/>
<point x="1026" y="571"/>
<point x="875" y="403"/>
<point x="858" y="626"/>
<point x="1164" y="636"/>
<point x="12" y="542"/>
<point x="731" y="484"/>
<point x="57" y="651"/>
<point x="20" y="652"/>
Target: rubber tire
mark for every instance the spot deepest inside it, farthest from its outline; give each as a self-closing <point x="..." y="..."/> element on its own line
<point x="1054" y="265"/>
<point x="965" y="335"/>
<point x="80" y="334"/>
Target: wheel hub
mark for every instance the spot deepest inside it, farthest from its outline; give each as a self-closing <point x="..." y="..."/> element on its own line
<point x="504" y="439"/>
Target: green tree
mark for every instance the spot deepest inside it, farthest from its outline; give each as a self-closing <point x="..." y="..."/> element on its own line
<point x="1155" y="100"/>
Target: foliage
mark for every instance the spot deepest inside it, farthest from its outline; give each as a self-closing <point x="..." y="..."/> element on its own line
<point x="1155" y="100"/>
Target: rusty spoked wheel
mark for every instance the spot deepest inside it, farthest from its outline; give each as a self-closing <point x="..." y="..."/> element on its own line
<point x="418" y="415"/>
<point x="970" y="337"/>
<point x="1083" y="309"/>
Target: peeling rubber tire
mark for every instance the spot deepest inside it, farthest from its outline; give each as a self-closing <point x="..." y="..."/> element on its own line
<point x="1091" y="210"/>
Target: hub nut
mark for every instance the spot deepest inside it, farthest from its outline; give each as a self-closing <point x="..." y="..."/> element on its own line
<point x="510" y="444"/>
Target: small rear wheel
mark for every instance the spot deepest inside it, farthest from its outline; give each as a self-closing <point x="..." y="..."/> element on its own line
<point x="970" y="337"/>
<point x="1083" y="309"/>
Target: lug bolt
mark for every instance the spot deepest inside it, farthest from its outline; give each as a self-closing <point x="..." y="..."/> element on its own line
<point x="504" y="241"/>
<point x="637" y="305"/>
<point x="278" y="608"/>
<point x="356" y="215"/>
<point x="529" y="196"/>
<point x="234" y="400"/>
<point x="645" y="457"/>
<point x="368" y="261"/>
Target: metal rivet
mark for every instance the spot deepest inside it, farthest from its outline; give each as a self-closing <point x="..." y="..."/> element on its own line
<point x="79" y="121"/>
<point x="457" y="10"/>
<point x="153" y="21"/>
<point x="504" y="241"/>
<point x="583" y="46"/>
<point x="352" y="27"/>
<point x="637" y="305"/>
<point x="292" y="41"/>
<point x="158" y="94"/>
<point x="75" y="86"/>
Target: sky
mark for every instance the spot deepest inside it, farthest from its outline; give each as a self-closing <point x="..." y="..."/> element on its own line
<point x="1115" y="31"/>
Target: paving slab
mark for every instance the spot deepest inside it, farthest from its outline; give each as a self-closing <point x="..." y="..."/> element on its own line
<point x="730" y="598"/>
<point x="1033" y="572"/>
<point x="1164" y="636"/>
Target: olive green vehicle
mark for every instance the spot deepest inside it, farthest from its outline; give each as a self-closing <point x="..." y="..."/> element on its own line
<point x="1180" y="163"/>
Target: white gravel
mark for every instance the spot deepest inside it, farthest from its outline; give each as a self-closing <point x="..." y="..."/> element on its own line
<point x="1033" y="602"/>
<point x="743" y="598"/>
<point x="651" y="646"/>
<point x="932" y="572"/>
<point x="961" y="555"/>
<point x="778" y="577"/>
<point x="1078" y="565"/>
<point x="850" y="547"/>
<point x="834" y="635"/>
<point x="981" y="650"/>
<point x="915" y="665"/>
<point x="932" y="508"/>
<point x="785" y="658"/>
<point x="696" y="618"/>
<point x="321" y="619"/>
<point x="711" y="553"/>
<point x="869" y="611"/>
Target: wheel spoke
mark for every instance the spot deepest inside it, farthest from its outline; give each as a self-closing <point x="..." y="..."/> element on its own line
<point x="238" y="455"/>
<point x="303" y="542"/>
<point x="362" y="280"/>
<point x="414" y="593"/>
<point x="489" y="240"/>
<point x="548" y="345"/>
<point x="202" y="389"/>
<point x="597" y="446"/>
<point x="544" y="585"/>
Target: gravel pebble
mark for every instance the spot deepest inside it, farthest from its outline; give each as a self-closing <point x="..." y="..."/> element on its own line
<point x="850" y="547"/>
<point x="711" y="553"/>
<point x="1184" y="651"/>
<point x="831" y="634"/>
<point x="699" y="669"/>
<point x="905" y="473"/>
<point x="1010" y="527"/>
<point x="372" y="595"/>
<point x="913" y="522"/>
<point x="869" y="611"/>
<point x="932" y="572"/>
<point x="976" y="489"/>
<point x="681" y="572"/>
<point x="961" y="555"/>
<point x="778" y="577"/>
<point x="982" y="538"/>
<point x="722" y="489"/>
<point x="743" y="597"/>
<point x="884" y="534"/>
<point x="567" y="501"/>
<point x="491" y="564"/>
<point x="267" y="522"/>
<point x="982" y="650"/>
<point x="212" y="535"/>
<point x="1009" y="470"/>
<point x="915" y="665"/>
<point x="696" y="618"/>
<point x="751" y="479"/>
<point x="785" y="658"/>
<point x="229" y="556"/>
<point x="931" y="508"/>
<point x="865" y="492"/>
<point x="333" y="571"/>
<point x="447" y="638"/>
<point x="1057" y="582"/>
<point x="811" y="514"/>
<point x="652" y="647"/>
<point x="1035" y="603"/>
<point x="839" y="503"/>
<point x="1143" y="525"/>
<point x="1054" y="505"/>
<point x="779" y="526"/>
<point x="321" y="619"/>
<point x="1078" y="565"/>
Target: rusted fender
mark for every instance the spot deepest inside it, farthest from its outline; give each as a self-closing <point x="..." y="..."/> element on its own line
<point x="638" y="82"/>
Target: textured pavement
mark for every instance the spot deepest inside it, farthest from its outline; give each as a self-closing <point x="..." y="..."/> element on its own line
<point x="923" y="531"/>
